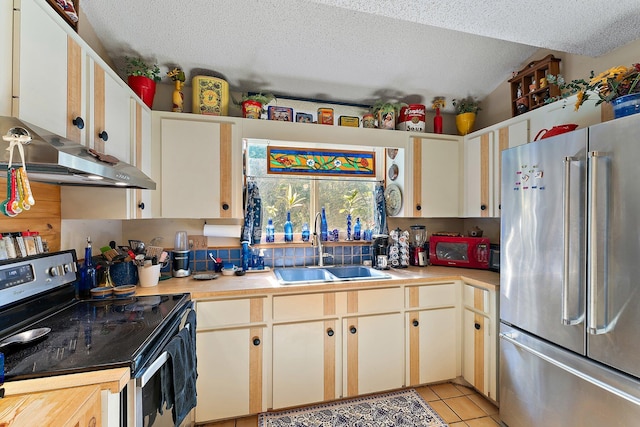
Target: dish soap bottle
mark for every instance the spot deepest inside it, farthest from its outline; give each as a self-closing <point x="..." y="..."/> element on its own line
<point x="270" y="231"/>
<point x="88" y="279"/>
<point x="324" y="228"/>
<point x="288" y="228"/>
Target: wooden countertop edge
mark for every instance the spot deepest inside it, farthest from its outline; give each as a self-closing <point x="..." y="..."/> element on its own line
<point x="113" y="380"/>
<point x="266" y="283"/>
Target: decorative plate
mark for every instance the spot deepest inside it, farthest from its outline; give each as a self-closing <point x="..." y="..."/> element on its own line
<point x="393" y="172"/>
<point x="393" y="199"/>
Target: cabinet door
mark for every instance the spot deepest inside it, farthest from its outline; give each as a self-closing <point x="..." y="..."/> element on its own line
<point x="141" y="158"/>
<point x="373" y="359"/>
<point x="230" y="373"/>
<point x="6" y="51"/>
<point x="478" y="172"/>
<point x="432" y="345"/>
<point x="304" y="363"/>
<point x="198" y="175"/>
<point x="436" y="183"/>
<point x="40" y="68"/>
<point x="506" y="137"/>
<point x="476" y="360"/>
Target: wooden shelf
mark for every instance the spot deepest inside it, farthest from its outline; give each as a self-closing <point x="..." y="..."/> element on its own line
<point x="54" y="4"/>
<point x="527" y="90"/>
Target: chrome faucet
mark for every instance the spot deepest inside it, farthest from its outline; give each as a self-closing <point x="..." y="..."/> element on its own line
<point x="317" y="241"/>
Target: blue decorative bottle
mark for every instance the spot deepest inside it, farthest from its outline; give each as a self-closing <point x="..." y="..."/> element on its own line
<point x="88" y="278"/>
<point x="288" y="229"/>
<point x="305" y="232"/>
<point x="324" y="228"/>
<point x="270" y="232"/>
<point x="357" y="230"/>
<point x="348" y="226"/>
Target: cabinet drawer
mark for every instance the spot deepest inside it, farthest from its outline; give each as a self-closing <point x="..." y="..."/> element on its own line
<point x="290" y="307"/>
<point x="476" y="298"/>
<point x="375" y="300"/>
<point x="221" y="313"/>
<point x="436" y="295"/>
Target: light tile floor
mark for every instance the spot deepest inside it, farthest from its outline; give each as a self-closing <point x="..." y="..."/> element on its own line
<point x="457" y="405"/>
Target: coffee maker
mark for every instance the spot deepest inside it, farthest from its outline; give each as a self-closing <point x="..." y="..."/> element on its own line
<point x="417" y="239"/>
<point x="181" y="256"/>
<point x="380" y="254"/>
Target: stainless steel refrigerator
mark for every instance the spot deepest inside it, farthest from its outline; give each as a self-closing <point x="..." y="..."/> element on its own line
<point x="570" y="279"/>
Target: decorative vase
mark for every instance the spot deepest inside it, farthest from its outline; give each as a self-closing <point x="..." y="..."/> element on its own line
<point x="464" y="122"/>
<point x="144" y="87"/>
<point x="178" y="97"/>
<point x="626" y="105"/>
<point x="251" y="109"/>
<point x="387" y="119"/>
<point x="368" y="121"/>
<point x="437" y="122"/>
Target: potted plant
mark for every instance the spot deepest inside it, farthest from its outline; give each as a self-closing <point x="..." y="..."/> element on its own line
<point x="142" y="78"/>
<point x="466" y="110"/>
<point x="619" y="86"/>
<point x="386" y="113"/>
<point x="253" y="105"/>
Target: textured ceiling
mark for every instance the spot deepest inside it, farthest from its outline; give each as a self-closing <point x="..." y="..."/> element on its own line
<point x="359" y="51"/>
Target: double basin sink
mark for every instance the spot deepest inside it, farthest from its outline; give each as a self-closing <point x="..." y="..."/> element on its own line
<point x="300" y="275"/>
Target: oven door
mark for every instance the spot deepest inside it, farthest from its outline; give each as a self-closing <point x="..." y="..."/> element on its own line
<point x="145" y="389"/>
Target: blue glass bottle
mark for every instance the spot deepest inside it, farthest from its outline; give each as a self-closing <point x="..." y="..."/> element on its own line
<point x="305" y="232"/>
<point x="88" y="278"/>
<point x="270" y="232"/>
<point x="348" y="226"/>
<point x="246" y="255"/>
<point x="324" y="228"/>
<point x="357" y="230"/>
<point x="288" y="229"/>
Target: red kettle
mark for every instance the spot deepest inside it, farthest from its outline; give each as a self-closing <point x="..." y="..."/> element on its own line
<point x="556" y="130"/>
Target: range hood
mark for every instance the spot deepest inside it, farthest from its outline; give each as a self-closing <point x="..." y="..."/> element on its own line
<point x="53" y="159"/>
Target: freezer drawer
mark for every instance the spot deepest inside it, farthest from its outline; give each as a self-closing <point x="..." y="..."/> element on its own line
<point x="544" y="385"/>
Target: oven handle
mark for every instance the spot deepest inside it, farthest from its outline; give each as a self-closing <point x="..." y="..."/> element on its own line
<point x="143" y="379"/>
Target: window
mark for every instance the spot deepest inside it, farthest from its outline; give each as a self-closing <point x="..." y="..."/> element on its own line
<point x="304" y="196"/>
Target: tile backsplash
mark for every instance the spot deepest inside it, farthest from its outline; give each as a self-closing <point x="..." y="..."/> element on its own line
<point x="281" y="257"/>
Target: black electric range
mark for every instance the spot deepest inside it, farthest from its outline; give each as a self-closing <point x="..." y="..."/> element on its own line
<point x="86" y="335"/>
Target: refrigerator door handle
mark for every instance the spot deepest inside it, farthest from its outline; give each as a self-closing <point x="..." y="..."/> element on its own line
<point x="597" y="322"/>
<point x="568" y="318"/>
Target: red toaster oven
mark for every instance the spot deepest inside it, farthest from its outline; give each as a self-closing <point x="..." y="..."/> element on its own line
<point x="470" y="252"/>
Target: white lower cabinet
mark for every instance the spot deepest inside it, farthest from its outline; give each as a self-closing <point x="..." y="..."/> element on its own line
<point x="373" y="356"/>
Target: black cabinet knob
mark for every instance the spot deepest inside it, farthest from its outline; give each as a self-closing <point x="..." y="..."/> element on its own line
<point x="353" y="330"/>
<point x="330" y="332"/>
<point x="103" y="135"/>
<point x="78" y="122"/>
<point x="141" y="205"/>
<point x="225" y="206"/>
<point x="416" y="323"/>
<point x="418" y="207"/>
<point x="500" y="206"/>
<point x="483" y="207"/>
<point x="256" y="341"/>
<point x="477" y="325"/>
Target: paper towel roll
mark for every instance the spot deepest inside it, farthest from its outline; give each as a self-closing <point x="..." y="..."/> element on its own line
<point x="213" y="230"/>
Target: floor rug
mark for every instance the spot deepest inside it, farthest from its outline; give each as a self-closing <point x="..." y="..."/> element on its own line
<point x="400" y="408"/>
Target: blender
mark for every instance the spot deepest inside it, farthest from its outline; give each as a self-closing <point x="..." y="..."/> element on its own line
<point x="417" y="239"/>
<point x="181" y="256"/>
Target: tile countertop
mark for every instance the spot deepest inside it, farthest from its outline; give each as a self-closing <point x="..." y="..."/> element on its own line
<point x="266" y="282"/>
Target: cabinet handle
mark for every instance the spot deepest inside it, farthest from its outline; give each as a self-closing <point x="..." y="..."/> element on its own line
<point x="418" y="207"/>
<point x="141" y="205"/>
<point x="256" y="341"/>
<point x="416" y="323"/>
<point x="477" y="325"/>
<point x="483" y="207"/>
<point x="225" y="206"/>
<point x="500" y="206"/>
<point x="330" y="332"/>
<point x="78" y="122"/>
<point x="103" y="135"/>
<point x="353" y="330"/>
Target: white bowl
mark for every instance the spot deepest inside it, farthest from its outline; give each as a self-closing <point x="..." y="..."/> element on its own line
<point x="228" y="271"/>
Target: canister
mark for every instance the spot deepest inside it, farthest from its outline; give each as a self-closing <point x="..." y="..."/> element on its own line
<point x="284" y="114"/>
<point x="368" y="121"/>
<point x="304" y="118"/>
<point x="412" y="118"/>
<point x="349" y="121"/>
<point x="325" y="116"/>
<point x="210" y="96"/>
